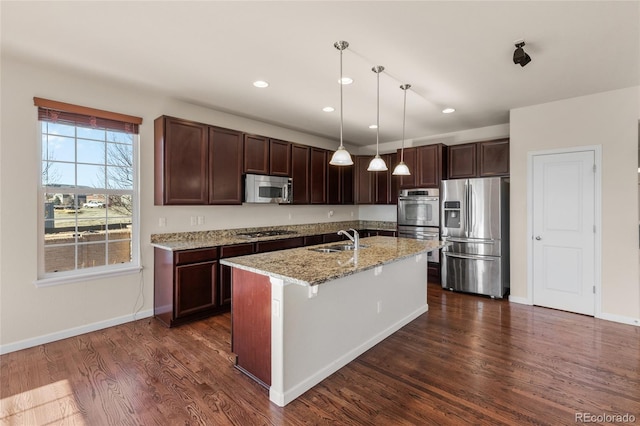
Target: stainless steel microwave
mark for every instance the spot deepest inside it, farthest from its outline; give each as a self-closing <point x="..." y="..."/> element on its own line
<point x="267" y="189"/>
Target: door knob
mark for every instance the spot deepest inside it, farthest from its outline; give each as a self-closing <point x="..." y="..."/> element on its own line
<point x="538" y="237"/>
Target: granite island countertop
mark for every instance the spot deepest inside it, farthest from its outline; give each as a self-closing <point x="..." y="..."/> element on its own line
<point x="305" y="266"/>
<point x="225" y="237"/>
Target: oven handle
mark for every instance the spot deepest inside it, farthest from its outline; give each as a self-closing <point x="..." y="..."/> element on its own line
<point x="418" y="198"/>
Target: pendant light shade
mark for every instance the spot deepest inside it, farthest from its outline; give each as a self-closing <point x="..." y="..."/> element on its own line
<point x="402" y="169"/>
<point x="341" y="157"/>
<point x="377" y="164"/>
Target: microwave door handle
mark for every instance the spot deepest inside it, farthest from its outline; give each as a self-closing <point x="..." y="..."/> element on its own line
<point x="285" y="192"/>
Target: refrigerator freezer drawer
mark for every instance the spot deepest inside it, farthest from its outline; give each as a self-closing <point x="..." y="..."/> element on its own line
<point x="472" y="274"/>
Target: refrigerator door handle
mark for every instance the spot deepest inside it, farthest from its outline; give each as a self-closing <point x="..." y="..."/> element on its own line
<point x="470" y="240"/>
<point x="466" y="208"/>
<point x="470" y="208"/>
<point x="463" y="256"/>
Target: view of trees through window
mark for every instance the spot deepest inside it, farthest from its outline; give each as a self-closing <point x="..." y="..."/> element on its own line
<point x="87" y="188"/>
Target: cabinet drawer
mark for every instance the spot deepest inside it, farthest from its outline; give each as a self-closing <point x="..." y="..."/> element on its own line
<point x="265" y="246"/>
<point x="236" y="250"/>
<point x="194" y="256"/>
<point x="312" y="240"/>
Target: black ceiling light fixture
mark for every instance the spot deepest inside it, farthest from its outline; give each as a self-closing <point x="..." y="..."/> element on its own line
<point x="520" y="56"/>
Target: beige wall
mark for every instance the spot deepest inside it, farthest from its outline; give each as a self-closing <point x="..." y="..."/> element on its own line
<point x="608" y="119"/>
<point x="30" y="315"/>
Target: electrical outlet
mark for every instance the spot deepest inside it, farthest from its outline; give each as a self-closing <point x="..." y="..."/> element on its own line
<point x="194" y="220"/>
<point x="200" y="220"/>
<point x="162" y="222"/>
<point x="330" y="214"/>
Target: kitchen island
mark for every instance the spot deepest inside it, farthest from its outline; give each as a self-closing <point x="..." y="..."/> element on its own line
<point x="299" y="315"/>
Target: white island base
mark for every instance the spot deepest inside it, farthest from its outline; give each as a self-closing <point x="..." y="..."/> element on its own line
<point x="316" y="330"/>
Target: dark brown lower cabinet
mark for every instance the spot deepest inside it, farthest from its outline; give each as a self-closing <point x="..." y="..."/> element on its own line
<point x="433" y="273"/>
<point x="225" y="271"/>
<point x="377" y="232"/>
<point x="312" y="240"/>
<point x="286" y="243"/>
<point x="185" y="285"/>
<point x="251" y="325"/>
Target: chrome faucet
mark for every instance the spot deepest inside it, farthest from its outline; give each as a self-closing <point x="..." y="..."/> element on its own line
<point x="355" y="239"/>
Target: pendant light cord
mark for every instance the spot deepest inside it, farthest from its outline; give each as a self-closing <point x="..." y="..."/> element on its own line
<point x="404" y="88"/>
<point x="341" y="84"/>
<point x="378" y="113"/>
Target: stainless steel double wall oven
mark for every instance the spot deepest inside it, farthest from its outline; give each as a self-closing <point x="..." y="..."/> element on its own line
<point x="419" y="216"/>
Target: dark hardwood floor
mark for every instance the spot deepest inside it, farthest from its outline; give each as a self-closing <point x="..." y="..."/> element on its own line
<point x="469" y="360"/>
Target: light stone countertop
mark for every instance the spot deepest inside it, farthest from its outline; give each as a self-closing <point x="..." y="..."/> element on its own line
<point x="217" y="238"/>
<point x="307" y="267"/>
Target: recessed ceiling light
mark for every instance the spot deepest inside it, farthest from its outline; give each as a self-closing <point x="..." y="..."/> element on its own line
<point x="261" y="84"/>
<point x="373" y="126"/>
<point x="345" y="80"/>
<point x="448" y="110"/>
<point x="328" y="109"/>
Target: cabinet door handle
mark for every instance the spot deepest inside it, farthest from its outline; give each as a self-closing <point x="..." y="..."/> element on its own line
<point x="538" y="237"/>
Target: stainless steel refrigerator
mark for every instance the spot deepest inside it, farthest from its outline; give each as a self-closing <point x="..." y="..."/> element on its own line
<point x="475" y="220"/>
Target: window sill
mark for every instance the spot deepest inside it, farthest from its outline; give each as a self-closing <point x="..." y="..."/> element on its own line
<point x="68" y="279"/>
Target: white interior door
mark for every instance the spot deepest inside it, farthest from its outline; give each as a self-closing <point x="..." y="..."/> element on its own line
<point x="564" y="231"/>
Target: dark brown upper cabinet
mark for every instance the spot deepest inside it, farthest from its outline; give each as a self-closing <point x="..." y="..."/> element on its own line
<point x="432" y="165"/>
<point x="340" y="184"/>
<point x="256" y="154"/>
<point x="462" y="161"/>
<point x="479" y="159"/>
<point x="365" y="180"/>
<point x="394" y="181"/>
<point x="279" y="158"/>
<point x="225" y="166"/>
<point x="196" y="163"/>
<point x="383" y="182"/>
<point x="493" y="158"/>
<point x="376" y="187"/>
<point x="319" y="164"/>
<point x="180" y="156"/>
<point x="300" y="173"/>
<point x="410" y="160"/>
<point x="427" y="164"/>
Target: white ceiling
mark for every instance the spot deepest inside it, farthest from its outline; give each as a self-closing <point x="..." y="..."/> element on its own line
<point x="456" y="54"/>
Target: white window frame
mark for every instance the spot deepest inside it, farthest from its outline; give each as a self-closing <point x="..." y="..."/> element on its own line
<point x="46" y="279"/>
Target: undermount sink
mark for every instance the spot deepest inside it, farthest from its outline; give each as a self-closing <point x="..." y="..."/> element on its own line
<point x="337" y="248"/>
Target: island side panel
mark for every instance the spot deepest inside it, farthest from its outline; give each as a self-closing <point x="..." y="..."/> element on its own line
<point x="163" y="286"/>
<point x="321" y="333"/>
<point x="251" y="324"/>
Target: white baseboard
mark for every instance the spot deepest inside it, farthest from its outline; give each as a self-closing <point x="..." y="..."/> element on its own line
<point x="521" y="300"/>
<point x="619" y="318"/>
<point x="281" y="399"/>
<point x="71" y="332"/>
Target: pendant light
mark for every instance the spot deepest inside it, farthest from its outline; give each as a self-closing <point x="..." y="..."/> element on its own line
<point x="402" y="169"/>
<point x="377" y="164"/>
<point x="341" y="157"/>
